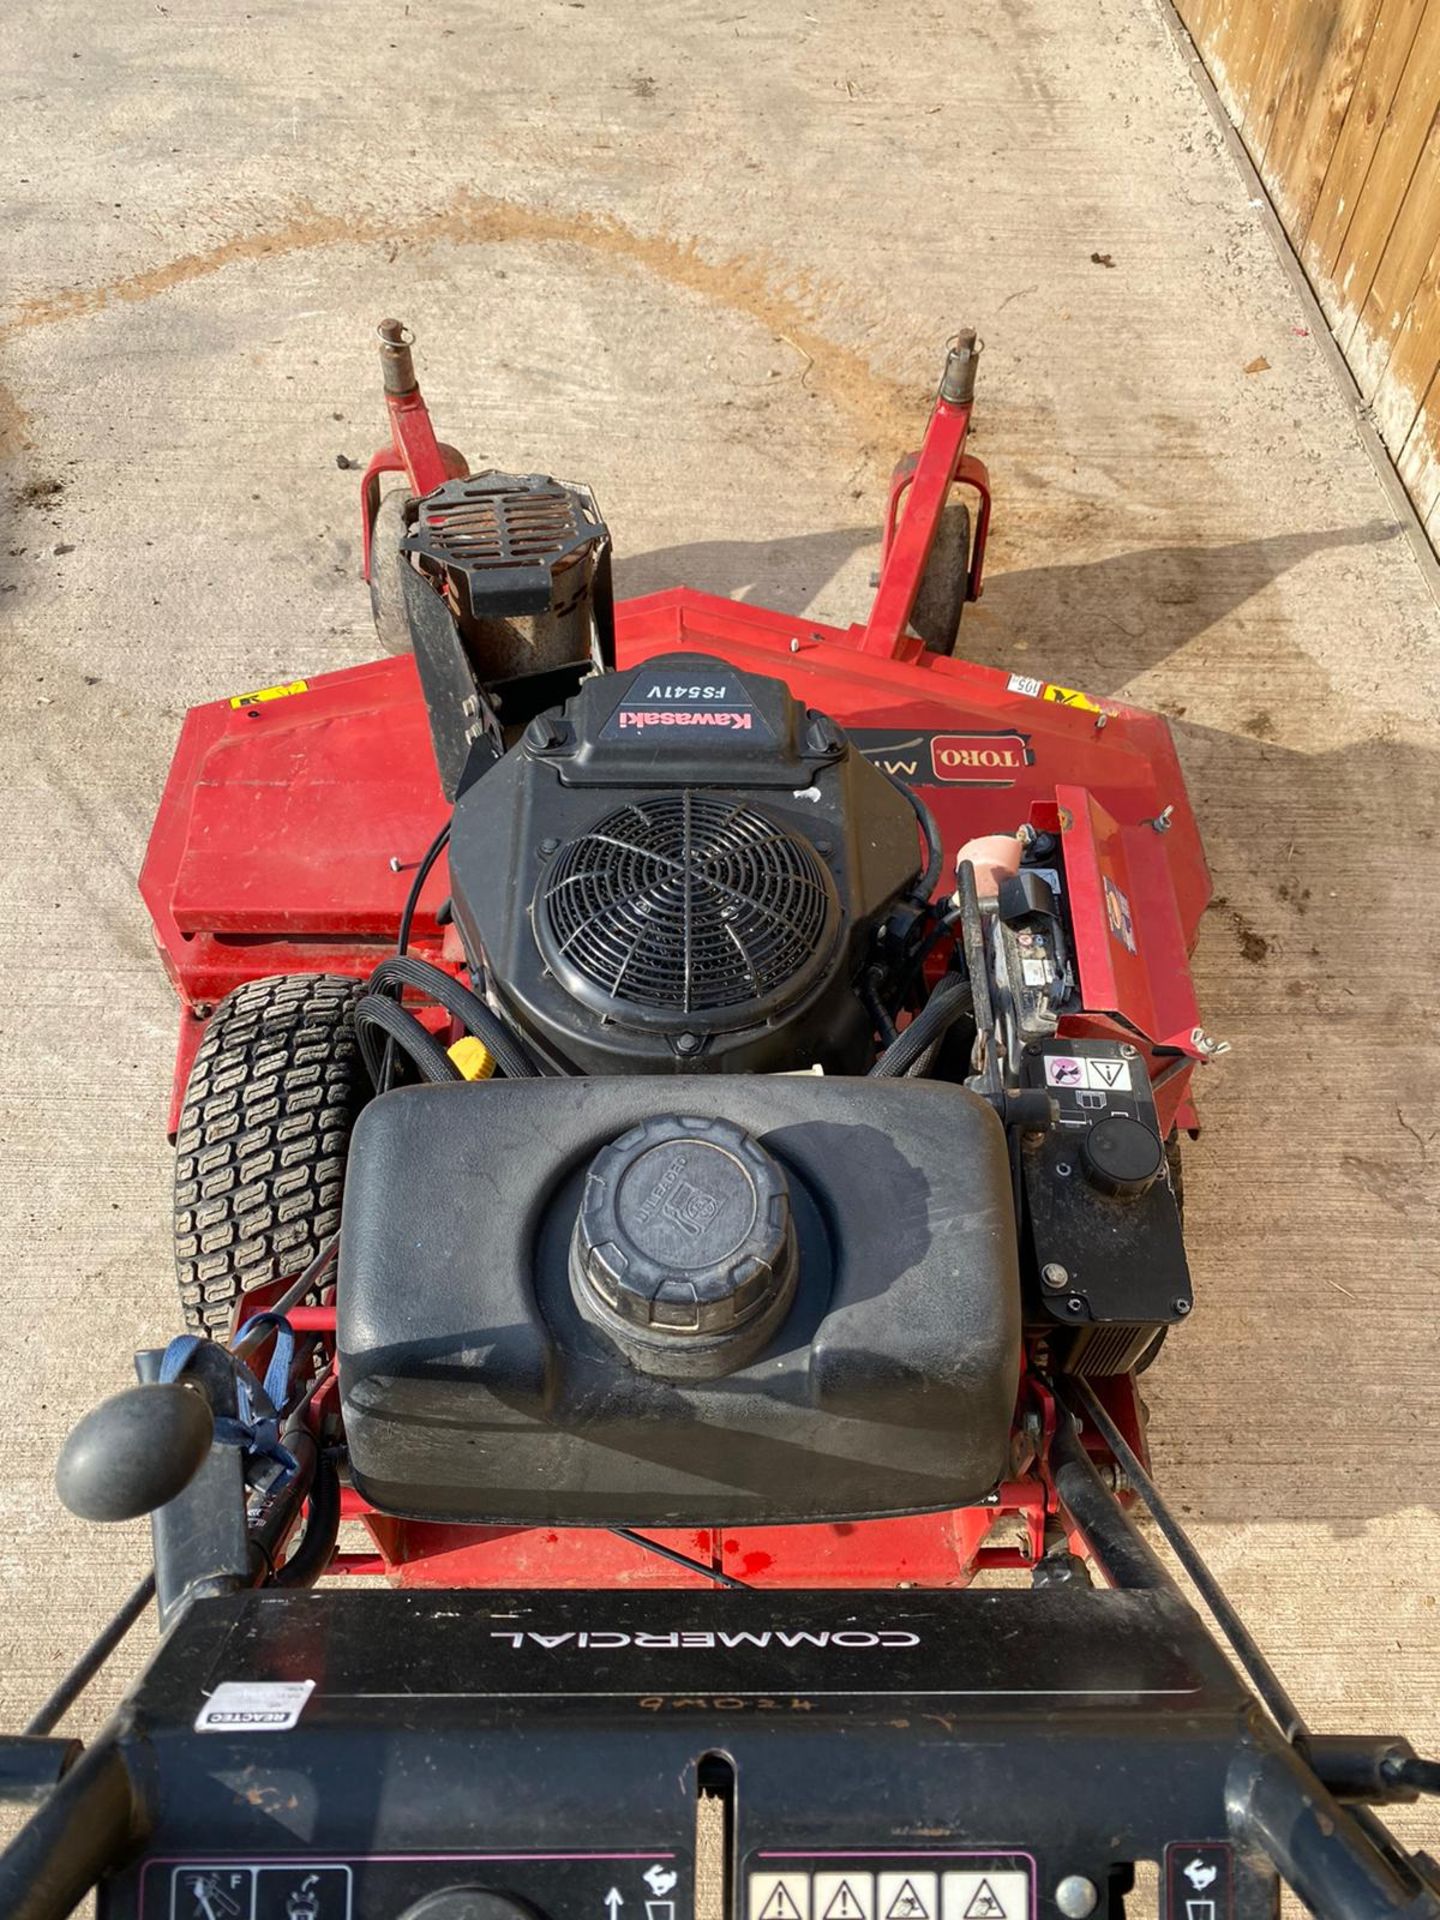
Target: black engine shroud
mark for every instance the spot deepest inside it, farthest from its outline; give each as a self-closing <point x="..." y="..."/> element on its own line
<point x="682" y="870"/>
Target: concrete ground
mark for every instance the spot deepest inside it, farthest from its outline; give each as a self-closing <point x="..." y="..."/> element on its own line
<point x="706" y="258"/>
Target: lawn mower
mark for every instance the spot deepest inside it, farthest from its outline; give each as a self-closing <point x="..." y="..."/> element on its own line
<point x="677" y="1117"/>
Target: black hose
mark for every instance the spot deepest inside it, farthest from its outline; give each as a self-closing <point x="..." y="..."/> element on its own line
<point x="405" y="970"/>
<point x="930" y="833"/>
<point x="431" y="854"/>
<point x="422" y="873"/>
<point x="870" y="996"/>
<point x="950" y="999"/>
<point x="374" y="1010"/>
<point x="322" y="1530"/>
<point x="1411" y="1771"/>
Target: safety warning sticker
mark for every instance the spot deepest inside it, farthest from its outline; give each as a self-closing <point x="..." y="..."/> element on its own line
<point x="1058" y="696"/>
<point x="262" y="694"/>
<point x="779" y="1896"/>
<point x="944" y="1887"/>
<point x="844" y="1896"/>
<point x="909" y="1896"/>
<point x="1070" y="697"/>
<point x="1105" y="1073"/>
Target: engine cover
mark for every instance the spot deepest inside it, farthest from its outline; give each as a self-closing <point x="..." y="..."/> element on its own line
<point x="556" y="1307"/>
<point x="682" y="869"/>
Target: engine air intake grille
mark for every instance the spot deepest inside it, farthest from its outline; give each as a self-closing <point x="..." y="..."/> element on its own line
<point x="506" y="543"/>
<point x="686" y="912"/>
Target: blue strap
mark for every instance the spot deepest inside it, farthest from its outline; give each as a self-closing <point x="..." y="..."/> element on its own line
<point x="256" y="1431"/>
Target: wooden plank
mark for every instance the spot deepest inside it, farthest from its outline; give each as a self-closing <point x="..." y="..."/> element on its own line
<point x="1391" y="43"/>
<point x="1419" y="462"/>
<point x="1313" y="99"/>
<point x="1234" y="39"/>
<point x="1399" y="276"/>
<point x="1291" y="24"/>
<point x="1258" y="25"/>
<point x="1408" y="127"/>
<point x="1197" y="16"/>
<point x="1413" y="353"/>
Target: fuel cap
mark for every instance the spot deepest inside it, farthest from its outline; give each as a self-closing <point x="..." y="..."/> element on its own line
<point x="1121" y="1156"/>
<point x="684" y="1248"/>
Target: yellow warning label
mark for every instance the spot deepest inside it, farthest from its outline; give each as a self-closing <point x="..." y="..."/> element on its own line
<point x="1070" y="697"/>
<point x="269" y="693"/>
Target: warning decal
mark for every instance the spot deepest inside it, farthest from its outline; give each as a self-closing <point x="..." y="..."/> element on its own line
<point x="844" y="1896"/>
<point x="912" y="1896"/>
<point x="1070" y="697"/>
<point x="262" y="694"/>
<point x="1104" y="1072"/>
<point x="1057" y="696"/>
<point x="779" y="1896"/>
<point x="945" y="1886"/>
<point x="987" y="1896"/>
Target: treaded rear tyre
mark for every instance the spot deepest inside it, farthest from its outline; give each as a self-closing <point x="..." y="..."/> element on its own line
<point x="263" y="1137"/>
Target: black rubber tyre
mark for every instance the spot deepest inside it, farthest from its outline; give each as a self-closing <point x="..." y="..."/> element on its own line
<point x="264" y="1132"/>
<point x="935" y="617"/>
<point x="387" y="596"/>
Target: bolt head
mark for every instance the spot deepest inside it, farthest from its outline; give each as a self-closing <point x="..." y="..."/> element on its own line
<point x="687" y="1043"/>
<point x="1054" y="1275"/>
<point x="1182" y="1307"/>
<point x="1074" y="1305"/>
<point x="1077" y="1897"/>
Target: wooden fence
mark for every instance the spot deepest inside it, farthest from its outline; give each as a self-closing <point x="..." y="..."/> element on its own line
<point x="1338" y="103"/>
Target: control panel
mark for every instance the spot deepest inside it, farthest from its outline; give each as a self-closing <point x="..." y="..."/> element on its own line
<point x="644" y="1756"/>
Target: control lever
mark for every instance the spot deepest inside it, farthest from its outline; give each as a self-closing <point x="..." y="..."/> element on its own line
<point x="135" y="1452"/>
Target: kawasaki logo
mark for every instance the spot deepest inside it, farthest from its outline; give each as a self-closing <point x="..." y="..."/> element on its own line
<point x="631" y="717"/>
<point x="779" y="1637"/>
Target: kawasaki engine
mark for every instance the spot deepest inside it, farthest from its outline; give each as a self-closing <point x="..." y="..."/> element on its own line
<point x="683" y="869"/>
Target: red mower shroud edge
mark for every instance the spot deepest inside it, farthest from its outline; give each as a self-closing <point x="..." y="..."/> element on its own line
<point x="293" y="817"/>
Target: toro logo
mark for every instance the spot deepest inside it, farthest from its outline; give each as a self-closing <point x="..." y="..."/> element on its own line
<point x="983" y="759"/>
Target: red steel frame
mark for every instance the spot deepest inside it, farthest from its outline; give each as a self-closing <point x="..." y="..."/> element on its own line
<point x="292" y="818"/>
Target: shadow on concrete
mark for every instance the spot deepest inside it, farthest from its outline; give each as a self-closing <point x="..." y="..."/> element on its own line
<point x="785" y="574"/>
<point x="1095" y="624"/>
